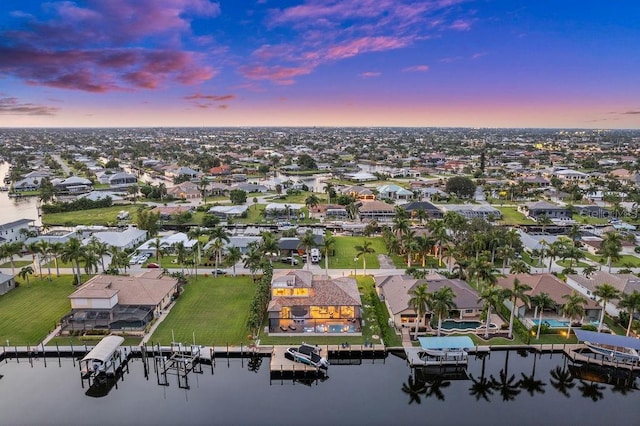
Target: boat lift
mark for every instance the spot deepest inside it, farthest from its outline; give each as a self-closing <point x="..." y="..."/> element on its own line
<point x="181" y="361"/>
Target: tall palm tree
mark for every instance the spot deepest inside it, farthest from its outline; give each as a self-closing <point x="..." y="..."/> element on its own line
<point x="491" y="296"/>
<point x="409" y="245"/>
<point x="589" y="270"/>
<point x="611" y="247"/>
<point x="326" y="247"/>
<point x="118" y="258"/>
<point x="181" y="253"/>
<point x="253" y="260"/>
<point x="573" y="307"/>
<point x="419" y="301"/>
<point x="307" y="242"/>
<point x="34" y="249"/>
<point x="441" y="302"/>
<point x="55" y="251"/>
<point x="269" y="245"/>
<point x="519" y="267"/>
<point x="439" y="234"/>
<point x="519" y="291"/>
<point x="553" y="251"/>
<point x="12" y="250"/>
<point x="541" y="301"/>
<point x="25" y="272"/>
<point x="311" y="201"/>
<point x="160" y="248"/>
<point x="234" y="255"/>
<point x="363" y="251"/>
<point x="43" y="251"/>
<point x="100" y="249"/>
<point x="215" y="249"/>
<point x="73" y="252"/>
<point x="329" y="189"/>
<point x="423" y="246"/>
<point x="630" y="302"/>
<point x="195" y="233"/>
<point x="543" y="220"/>
<point x="221" y="234"/>
<point x="605" y="292"/>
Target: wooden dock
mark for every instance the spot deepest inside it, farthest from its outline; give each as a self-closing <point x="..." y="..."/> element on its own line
<point x="280" y="364"/>
<point x="575" y="355"/>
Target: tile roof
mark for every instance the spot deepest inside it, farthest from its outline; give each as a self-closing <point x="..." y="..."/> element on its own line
<point x="543" y="283"/>
<point x="624" y="283"/>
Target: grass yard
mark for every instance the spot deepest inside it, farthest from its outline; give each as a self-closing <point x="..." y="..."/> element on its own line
<point x="17" y="264"/>
<point x="571" y="263"/>
<point x="345" y="252"/>
<point x="101" y="216"/>
<point x="214" y="309"/>
<point x="625" y="261"/>
<point x="588" y="220"/>
<point x="30" y="312"/>
<point x="511" y="216"/>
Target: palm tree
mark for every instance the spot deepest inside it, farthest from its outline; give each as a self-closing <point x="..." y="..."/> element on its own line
<point x="34" y="249"/>
<point x="543" y="220"/>
<point x="515" y="293"/>
<point x="363" y="251"/>
<point x="574" y="307"/>
<point x="181" y="253"/>
<point x="519" y="267"/>
<point x="553" y="251"/>
<point x="234" y="255"/>
<point x="491" y="296"/>
<point x="25" y="272"/>
<point x="118" y="258"/>
<point x="605" y="292"/>
<point x="220" y="234"/>
<point x="307" y="241"/>
<point x="505" y="384"/>
<point x="326" y="247"/>
<point x="43" y="250"/>
<point x="100" y="249"/>
<point x="215" y="249"/>
<point x="55" y="251"/>
<point x="329" y="189"/>
<point x="419" y="302"/>
<point x="439" y="234"/>
<point x="589" y="270"/>
<point x="529" y="383"/>
<point x="269" y="245"/>
<point x="311" y="201"/>
<point x="441" y="302"/>
<point x="630" y="302"/>
<point x="611" y="247"/>
<point x="72" y="252"/>
<point x="159" y="247"/>
<point x="409" y="245"/>
<point x="12" y="249"/>
<point x="423" y="246"/>
<point x="541" y="301"/>
<point x="194" y="234"/>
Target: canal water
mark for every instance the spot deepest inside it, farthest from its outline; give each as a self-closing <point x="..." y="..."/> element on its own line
<point x="518" y="388"/>
<point x="16" y="208"/>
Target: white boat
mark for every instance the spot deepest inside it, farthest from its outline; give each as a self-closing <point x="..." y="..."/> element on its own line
<point x="307" y="354"/>
<point x="104" y="358"/>
<point x="614" y="348"/>
<point x="449" y="350"/>
<point x="614" y="352"/>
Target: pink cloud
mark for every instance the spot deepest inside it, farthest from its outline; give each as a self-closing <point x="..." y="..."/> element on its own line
<point x="278" y="74"/>
<point x="365" y="44"/>
<point x="460" y="25"/>
<point x="212" y="98"/>
<point x="417" y="68"/>
<point x="478" y="55"/>
<point x="13" y="106"/>
<point x="370" y="74"/>
<point x="98" y="47"/>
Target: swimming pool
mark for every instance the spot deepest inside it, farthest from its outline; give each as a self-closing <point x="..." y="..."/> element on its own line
<point x="554" y="323"/>
<point x="460" y="325"/>
<point x="339" y="328"/>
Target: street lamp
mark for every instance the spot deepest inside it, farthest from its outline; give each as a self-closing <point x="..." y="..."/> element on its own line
<point x="355" y="264"/>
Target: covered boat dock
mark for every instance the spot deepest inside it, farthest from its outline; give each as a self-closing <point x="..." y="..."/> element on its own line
<point x="105" y="357"/>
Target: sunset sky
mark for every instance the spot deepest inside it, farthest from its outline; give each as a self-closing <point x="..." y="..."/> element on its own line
<point x="483" y="63"/>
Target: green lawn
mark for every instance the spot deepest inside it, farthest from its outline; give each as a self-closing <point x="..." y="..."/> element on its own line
<point x="30" y="312"/>
<point x="572" y="263"/>
<point x="214" y="309"/>
<point x="626" y="260"/>
<point x="345" y="252"/>
<point x="101" y="216"/>
<point x="510" y="216"/>
<point x="588" y="220"/>
<point x="17" y="264"/>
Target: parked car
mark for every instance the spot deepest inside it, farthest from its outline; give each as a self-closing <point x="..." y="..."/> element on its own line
<point x="153" y="265"/>
<point x="219" y="271"/>
<point x="288" y="260"/>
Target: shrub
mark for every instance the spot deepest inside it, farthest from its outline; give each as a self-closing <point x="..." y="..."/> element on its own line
<point x="589" y="327"/>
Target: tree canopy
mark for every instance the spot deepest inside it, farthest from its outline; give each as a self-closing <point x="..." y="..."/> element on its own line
<point x="461" y="186"/>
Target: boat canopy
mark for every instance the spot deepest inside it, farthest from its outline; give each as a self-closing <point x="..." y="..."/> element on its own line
<point x="104" y="349"/>
<point x="449" y="342"/>
<point x="608" y="339"/>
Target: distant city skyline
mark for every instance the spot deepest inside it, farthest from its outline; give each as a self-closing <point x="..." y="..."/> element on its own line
<point x="413" y="63"/>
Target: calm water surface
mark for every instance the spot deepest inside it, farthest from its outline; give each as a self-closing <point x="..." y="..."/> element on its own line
<point x="379" y="393"/>
<point x="16" y="208"/>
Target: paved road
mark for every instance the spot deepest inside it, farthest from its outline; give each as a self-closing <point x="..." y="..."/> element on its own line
<point x="63" y="164"/>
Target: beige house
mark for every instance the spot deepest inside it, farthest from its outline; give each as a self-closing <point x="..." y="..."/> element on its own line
<point x="305" y="303"/>
<point x="624" y="283"/>
<point x="120" y="302"/>
<point x="554" y="287"/>
<point x="394" y="291"/>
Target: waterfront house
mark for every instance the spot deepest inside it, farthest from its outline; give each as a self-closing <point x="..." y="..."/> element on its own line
<point x="305" y="303"/>
<point x="624" y="283"/>
<point x="554" y="287"/>
<point x="7" y="283"/>
<point x="14" y="231"/>
<point x="128" y="238"/>
<point x="375" y="210"/>
<point x="543" y="208"/>
<point x="115" y="302"/>
<point x="394" y="192"/>
<point x="394" y="291"/>
<point x="185" y="190"/>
